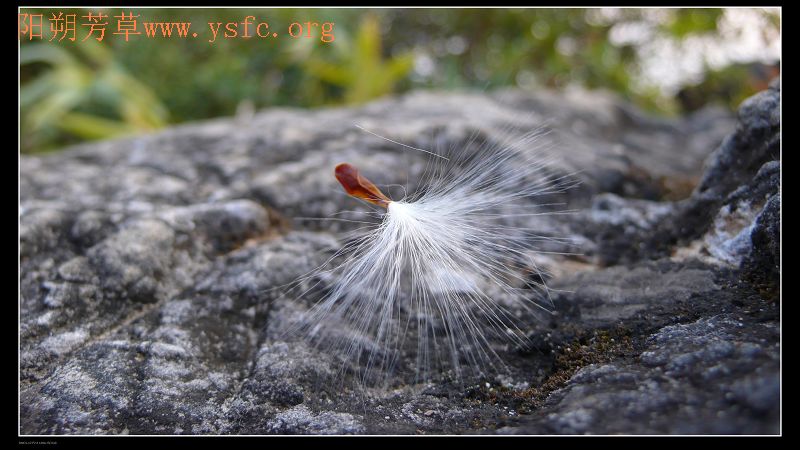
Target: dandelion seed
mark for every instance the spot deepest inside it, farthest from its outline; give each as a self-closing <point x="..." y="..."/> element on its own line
<point x="449" y="274"/>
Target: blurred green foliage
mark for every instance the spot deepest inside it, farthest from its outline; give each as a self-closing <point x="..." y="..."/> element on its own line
<point x="85" y="94"/>
<point x="73" y="91"/>
<point x="690" y="21"/>
<point x="728" y="86"/>
<point x="359" y="68"/>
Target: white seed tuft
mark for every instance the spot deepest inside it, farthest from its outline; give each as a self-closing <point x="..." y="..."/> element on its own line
<point x="449" y="274"/>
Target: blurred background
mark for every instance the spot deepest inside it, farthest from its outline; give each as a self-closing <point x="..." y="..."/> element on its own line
<point x="667" y="61"/>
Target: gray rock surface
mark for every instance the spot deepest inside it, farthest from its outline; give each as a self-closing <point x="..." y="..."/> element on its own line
<point x="149" y="269"/>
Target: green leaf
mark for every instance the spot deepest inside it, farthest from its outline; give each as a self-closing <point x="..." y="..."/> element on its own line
<point x="93" y="127"/>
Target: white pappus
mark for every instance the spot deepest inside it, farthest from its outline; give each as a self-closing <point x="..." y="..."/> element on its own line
<point x="448" y="274"/>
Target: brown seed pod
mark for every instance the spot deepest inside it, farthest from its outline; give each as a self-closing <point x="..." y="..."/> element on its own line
<point x="358" y="186"/>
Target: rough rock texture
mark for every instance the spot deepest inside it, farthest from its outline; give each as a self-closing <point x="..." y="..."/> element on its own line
<point x="149" y="267"/>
